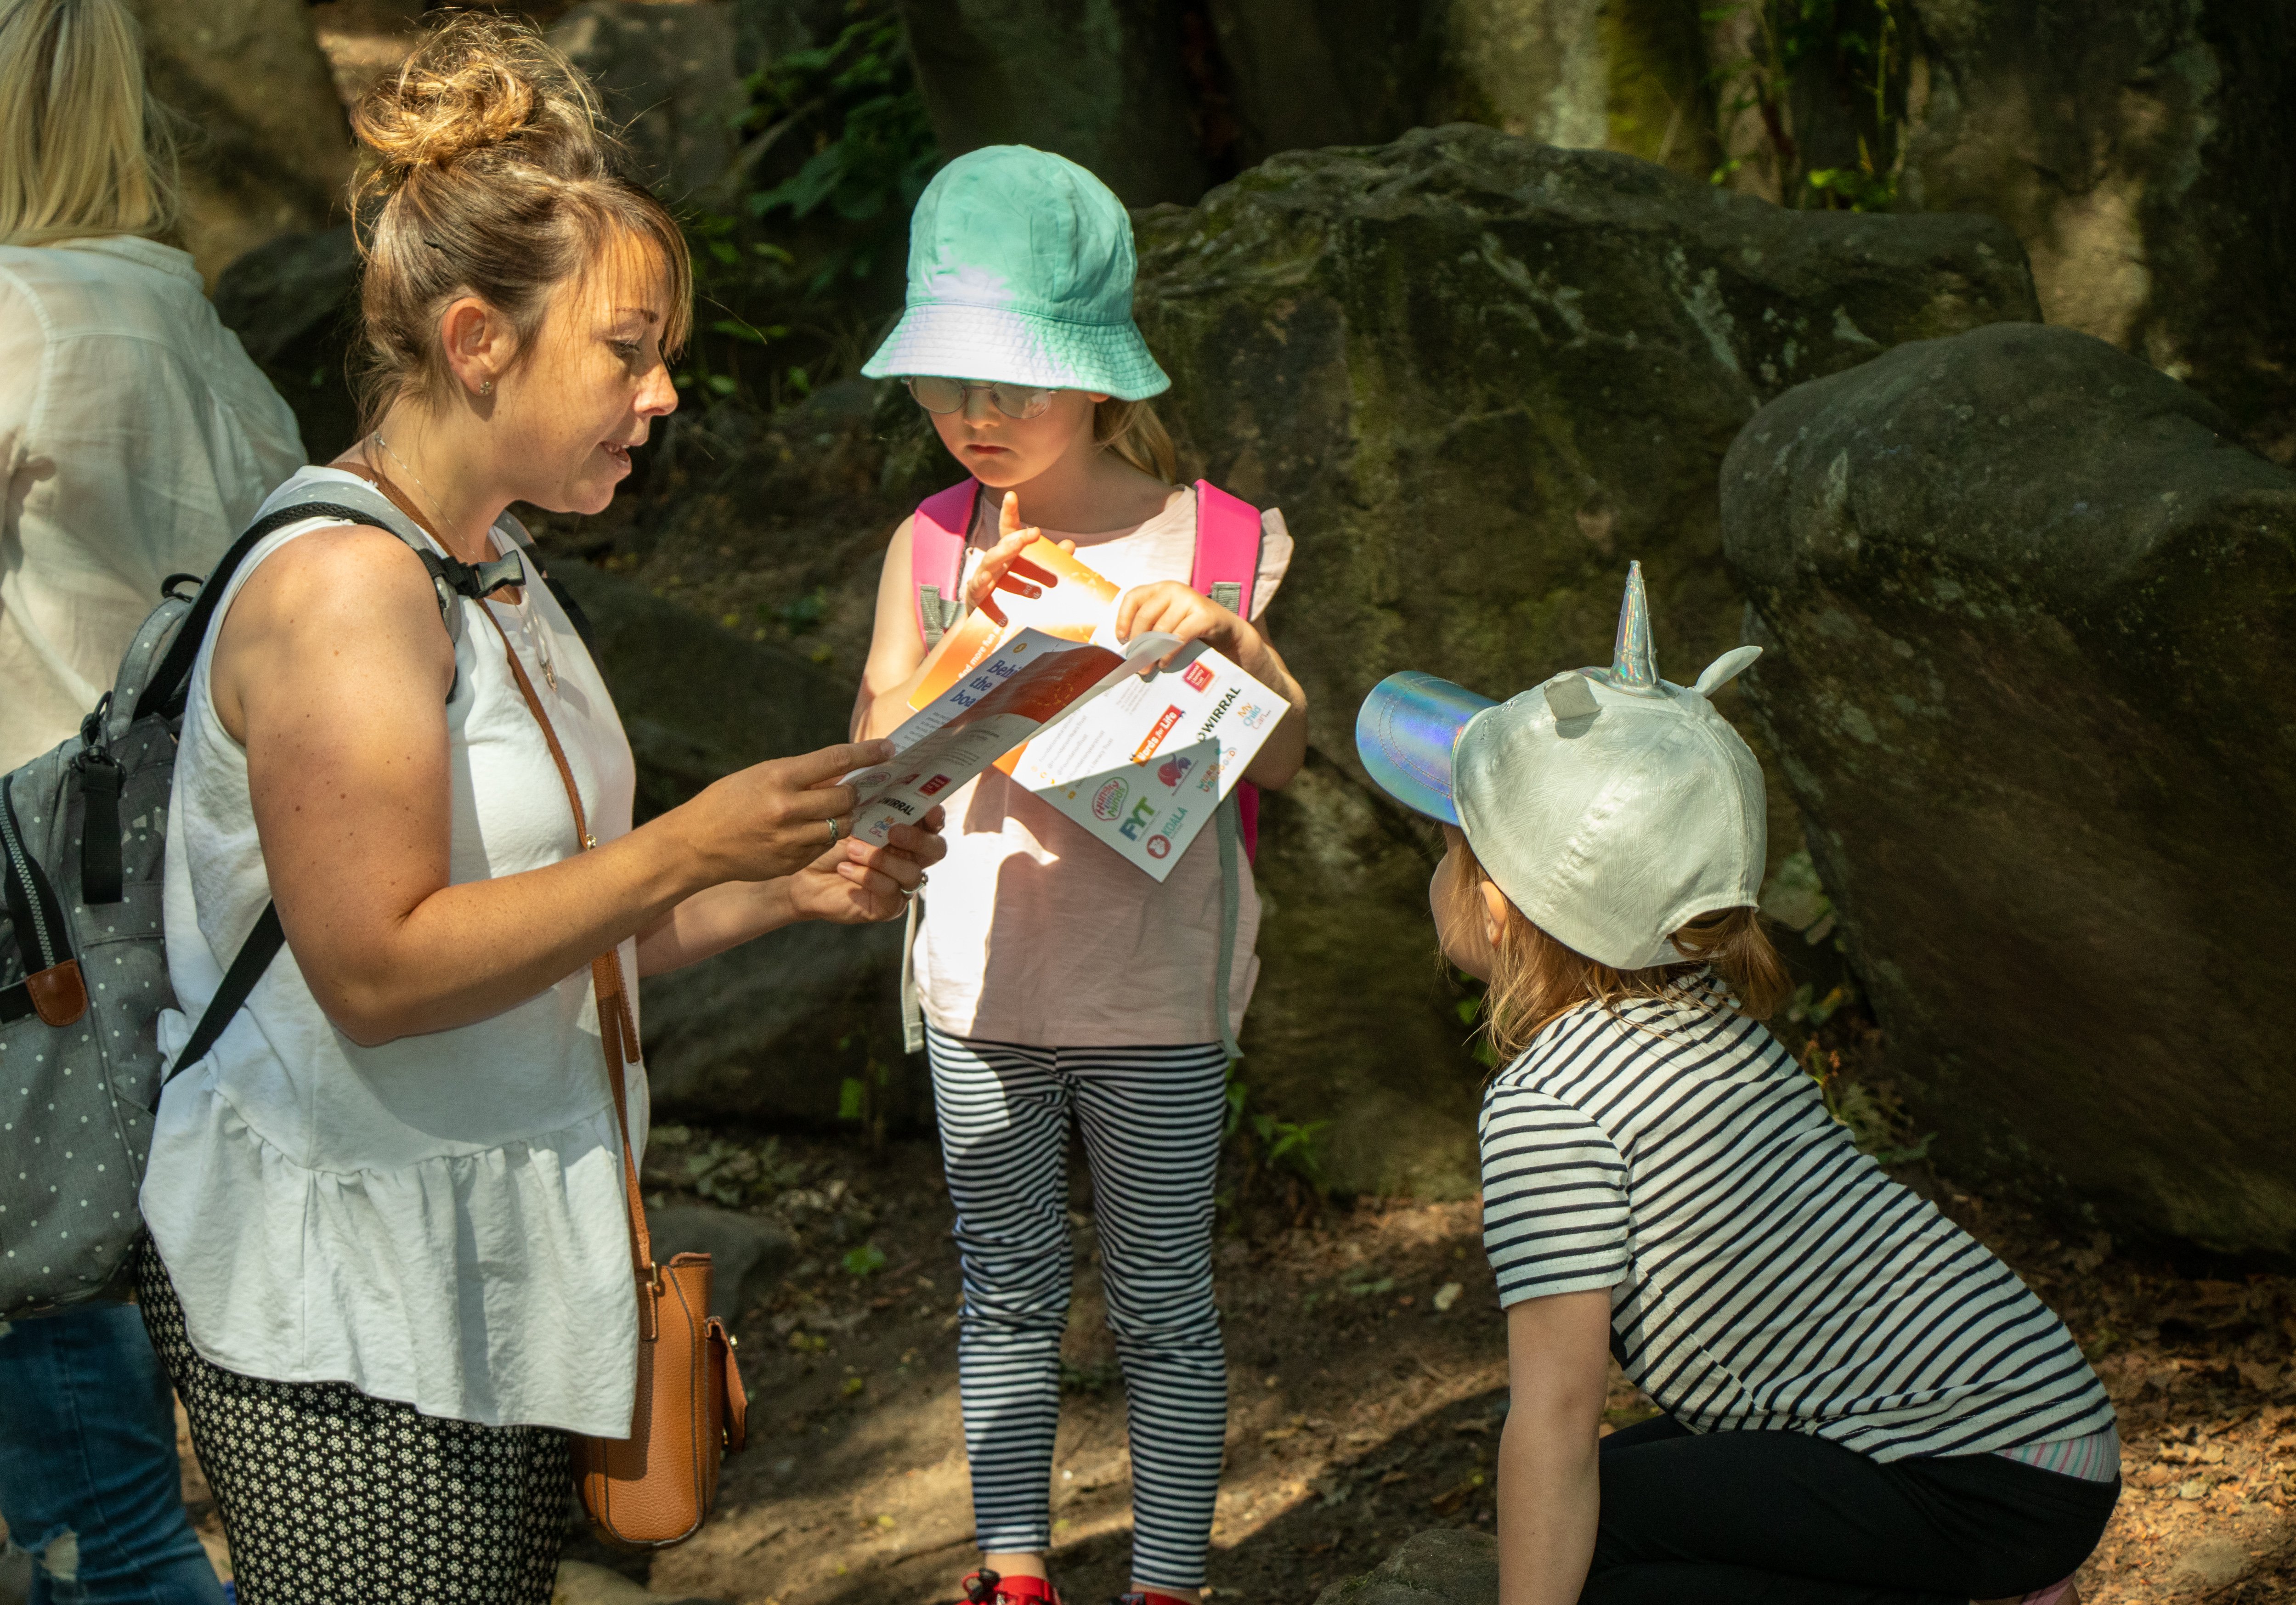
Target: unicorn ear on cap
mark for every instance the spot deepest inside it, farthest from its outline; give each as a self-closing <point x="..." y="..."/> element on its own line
<point x="1633" y="662"/>
<point x="1726" y="669"/>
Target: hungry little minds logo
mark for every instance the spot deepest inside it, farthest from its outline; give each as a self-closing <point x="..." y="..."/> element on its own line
<point x="1107" y="802"/>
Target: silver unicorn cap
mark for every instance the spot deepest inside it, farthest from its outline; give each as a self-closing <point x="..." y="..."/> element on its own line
<point x="1610" y="806"/>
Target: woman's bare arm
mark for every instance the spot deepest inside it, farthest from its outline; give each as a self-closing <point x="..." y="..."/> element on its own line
<point x="1550" y="1494"/>
<point x="332" y="670"/>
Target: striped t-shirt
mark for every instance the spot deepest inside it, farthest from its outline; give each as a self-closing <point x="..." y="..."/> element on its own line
<point x="1763" y="1273"/>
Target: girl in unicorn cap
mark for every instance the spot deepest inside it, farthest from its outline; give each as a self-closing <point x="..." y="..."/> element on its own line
<point x="1057" y="981"/>
<point x="1861" y="1404"/>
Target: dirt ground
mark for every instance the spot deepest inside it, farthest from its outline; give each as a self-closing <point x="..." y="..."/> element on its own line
<point x="1367" y="1377"/>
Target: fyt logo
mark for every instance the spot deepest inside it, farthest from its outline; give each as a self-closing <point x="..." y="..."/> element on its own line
<point x="1143" y="815"/>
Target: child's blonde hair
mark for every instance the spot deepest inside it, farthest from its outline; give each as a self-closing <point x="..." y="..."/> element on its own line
<point x="1133" y="432"/>
<point x="1536" y="978"/>
<point x="85" y="150"/>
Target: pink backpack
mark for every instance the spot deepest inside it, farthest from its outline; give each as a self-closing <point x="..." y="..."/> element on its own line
<point x="1228" y="536"/>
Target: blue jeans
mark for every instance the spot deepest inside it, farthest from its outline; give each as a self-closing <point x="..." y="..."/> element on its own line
<point x="89" y="1481"/>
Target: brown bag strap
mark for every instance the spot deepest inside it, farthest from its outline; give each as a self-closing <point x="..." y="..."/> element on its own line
<point x="617" y="1035"/>
<point x="616" y="1032"/>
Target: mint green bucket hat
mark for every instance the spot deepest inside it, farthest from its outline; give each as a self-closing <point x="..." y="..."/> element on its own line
<point x="1021" y="269"/>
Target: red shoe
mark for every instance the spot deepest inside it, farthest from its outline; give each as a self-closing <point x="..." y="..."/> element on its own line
<point x="986" y="1587"/>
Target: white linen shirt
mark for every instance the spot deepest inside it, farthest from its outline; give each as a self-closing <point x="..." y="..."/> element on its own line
<point x="135" y="440"/>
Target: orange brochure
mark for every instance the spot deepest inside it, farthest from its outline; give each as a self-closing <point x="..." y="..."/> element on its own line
<point x="1071" y="610"/>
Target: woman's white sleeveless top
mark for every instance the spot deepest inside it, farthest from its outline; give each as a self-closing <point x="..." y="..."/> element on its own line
<point x="439" y="1220"/>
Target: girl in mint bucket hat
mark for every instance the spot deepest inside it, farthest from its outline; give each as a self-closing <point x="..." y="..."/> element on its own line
<point x="1055" y="980"/>
<point x="1021" y="261"/>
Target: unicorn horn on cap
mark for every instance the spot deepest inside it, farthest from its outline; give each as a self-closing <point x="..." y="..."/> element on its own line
<point x="1633" y="665"/>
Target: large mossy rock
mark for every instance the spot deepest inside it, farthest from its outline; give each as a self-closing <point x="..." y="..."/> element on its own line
<point x="2027" y="615"/>
<point x="1480" y="375"/>
<point x="2139" y="151"/>
<point x="1443" y="1565"/>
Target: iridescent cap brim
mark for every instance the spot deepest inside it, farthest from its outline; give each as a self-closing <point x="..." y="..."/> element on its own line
<point x="1405" y="733"/>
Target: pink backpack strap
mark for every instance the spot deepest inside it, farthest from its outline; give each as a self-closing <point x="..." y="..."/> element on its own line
<point x="942" y="524"/>
<point x="1228" y="548"/>
<point x="1228" y="536"/>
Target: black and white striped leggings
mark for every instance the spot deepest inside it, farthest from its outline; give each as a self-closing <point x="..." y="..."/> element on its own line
<point x="1151" y="1120"/>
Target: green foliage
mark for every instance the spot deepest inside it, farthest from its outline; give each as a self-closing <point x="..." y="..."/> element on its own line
<point x="1094" y="1379"/>
<point x="734" y="1173"/>
<point x="1819" y="75"/>
<point x="1287" y="1147"/>
<point x="1873" y="1116"/>
<point x="789" y="254"/>
<point x="865" y="1260"/>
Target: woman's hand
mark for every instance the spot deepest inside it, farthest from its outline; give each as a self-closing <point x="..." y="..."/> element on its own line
<point x="773" y="819"/>
<point x="856" y="883"/>
<point x="1001" y="566"/>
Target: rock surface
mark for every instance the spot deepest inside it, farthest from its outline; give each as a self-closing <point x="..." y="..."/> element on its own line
<point x="666" y="73"/>
<point x="1480" y="375"/>
<point x="747" y="1252"/>
<point x="273" y="152"/>
<point x="1103" y="85"/>
<point x="773" y="1027"/>
<point x="2025" y="611"/>
<point x="2136" y="150"/>
<point x="292" y="302"/>
<point x="1445" y="1566"/>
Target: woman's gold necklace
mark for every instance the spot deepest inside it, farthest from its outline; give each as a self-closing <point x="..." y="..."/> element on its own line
<point x="536" y="642"/>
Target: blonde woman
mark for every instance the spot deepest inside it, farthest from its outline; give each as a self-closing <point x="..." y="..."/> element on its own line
<point x="135" y="438"/>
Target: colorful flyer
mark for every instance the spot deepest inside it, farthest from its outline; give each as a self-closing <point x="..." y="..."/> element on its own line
<point x="1144" y="766"/>
<point x="1024" y="684"/>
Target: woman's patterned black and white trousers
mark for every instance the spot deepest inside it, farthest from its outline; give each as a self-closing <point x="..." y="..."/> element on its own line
<point x="333" y="1498"/>
<point x="1152" y="1120"/>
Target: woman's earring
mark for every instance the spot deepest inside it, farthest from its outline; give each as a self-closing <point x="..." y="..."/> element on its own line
<point x="486" y="387"/>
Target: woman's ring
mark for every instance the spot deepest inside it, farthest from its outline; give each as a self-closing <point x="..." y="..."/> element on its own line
<point x="833" y="831"/>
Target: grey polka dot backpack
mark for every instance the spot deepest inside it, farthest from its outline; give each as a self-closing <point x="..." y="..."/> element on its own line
<point x="83" y="965"/>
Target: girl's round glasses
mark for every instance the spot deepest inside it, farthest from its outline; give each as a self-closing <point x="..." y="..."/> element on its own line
<point x="947" y="395"/>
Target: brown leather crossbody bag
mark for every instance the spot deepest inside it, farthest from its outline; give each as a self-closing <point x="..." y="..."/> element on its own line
<point x="658" y="1486"/>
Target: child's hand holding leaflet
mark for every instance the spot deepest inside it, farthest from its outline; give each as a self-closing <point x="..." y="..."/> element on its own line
<point x="1142" y="767"/>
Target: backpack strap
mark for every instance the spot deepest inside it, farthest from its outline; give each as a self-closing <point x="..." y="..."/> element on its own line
<point x="170" y="682"/>
<point x="170" y="685"/>
<point x="937" y="533"/>
<point x="1228" y="536"/>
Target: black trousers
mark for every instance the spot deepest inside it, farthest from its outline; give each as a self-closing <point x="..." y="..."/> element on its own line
<point x="1783" y="1518"/>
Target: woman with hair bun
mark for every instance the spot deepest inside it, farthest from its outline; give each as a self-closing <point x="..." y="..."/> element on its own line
<point x="391" y="1265"/>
